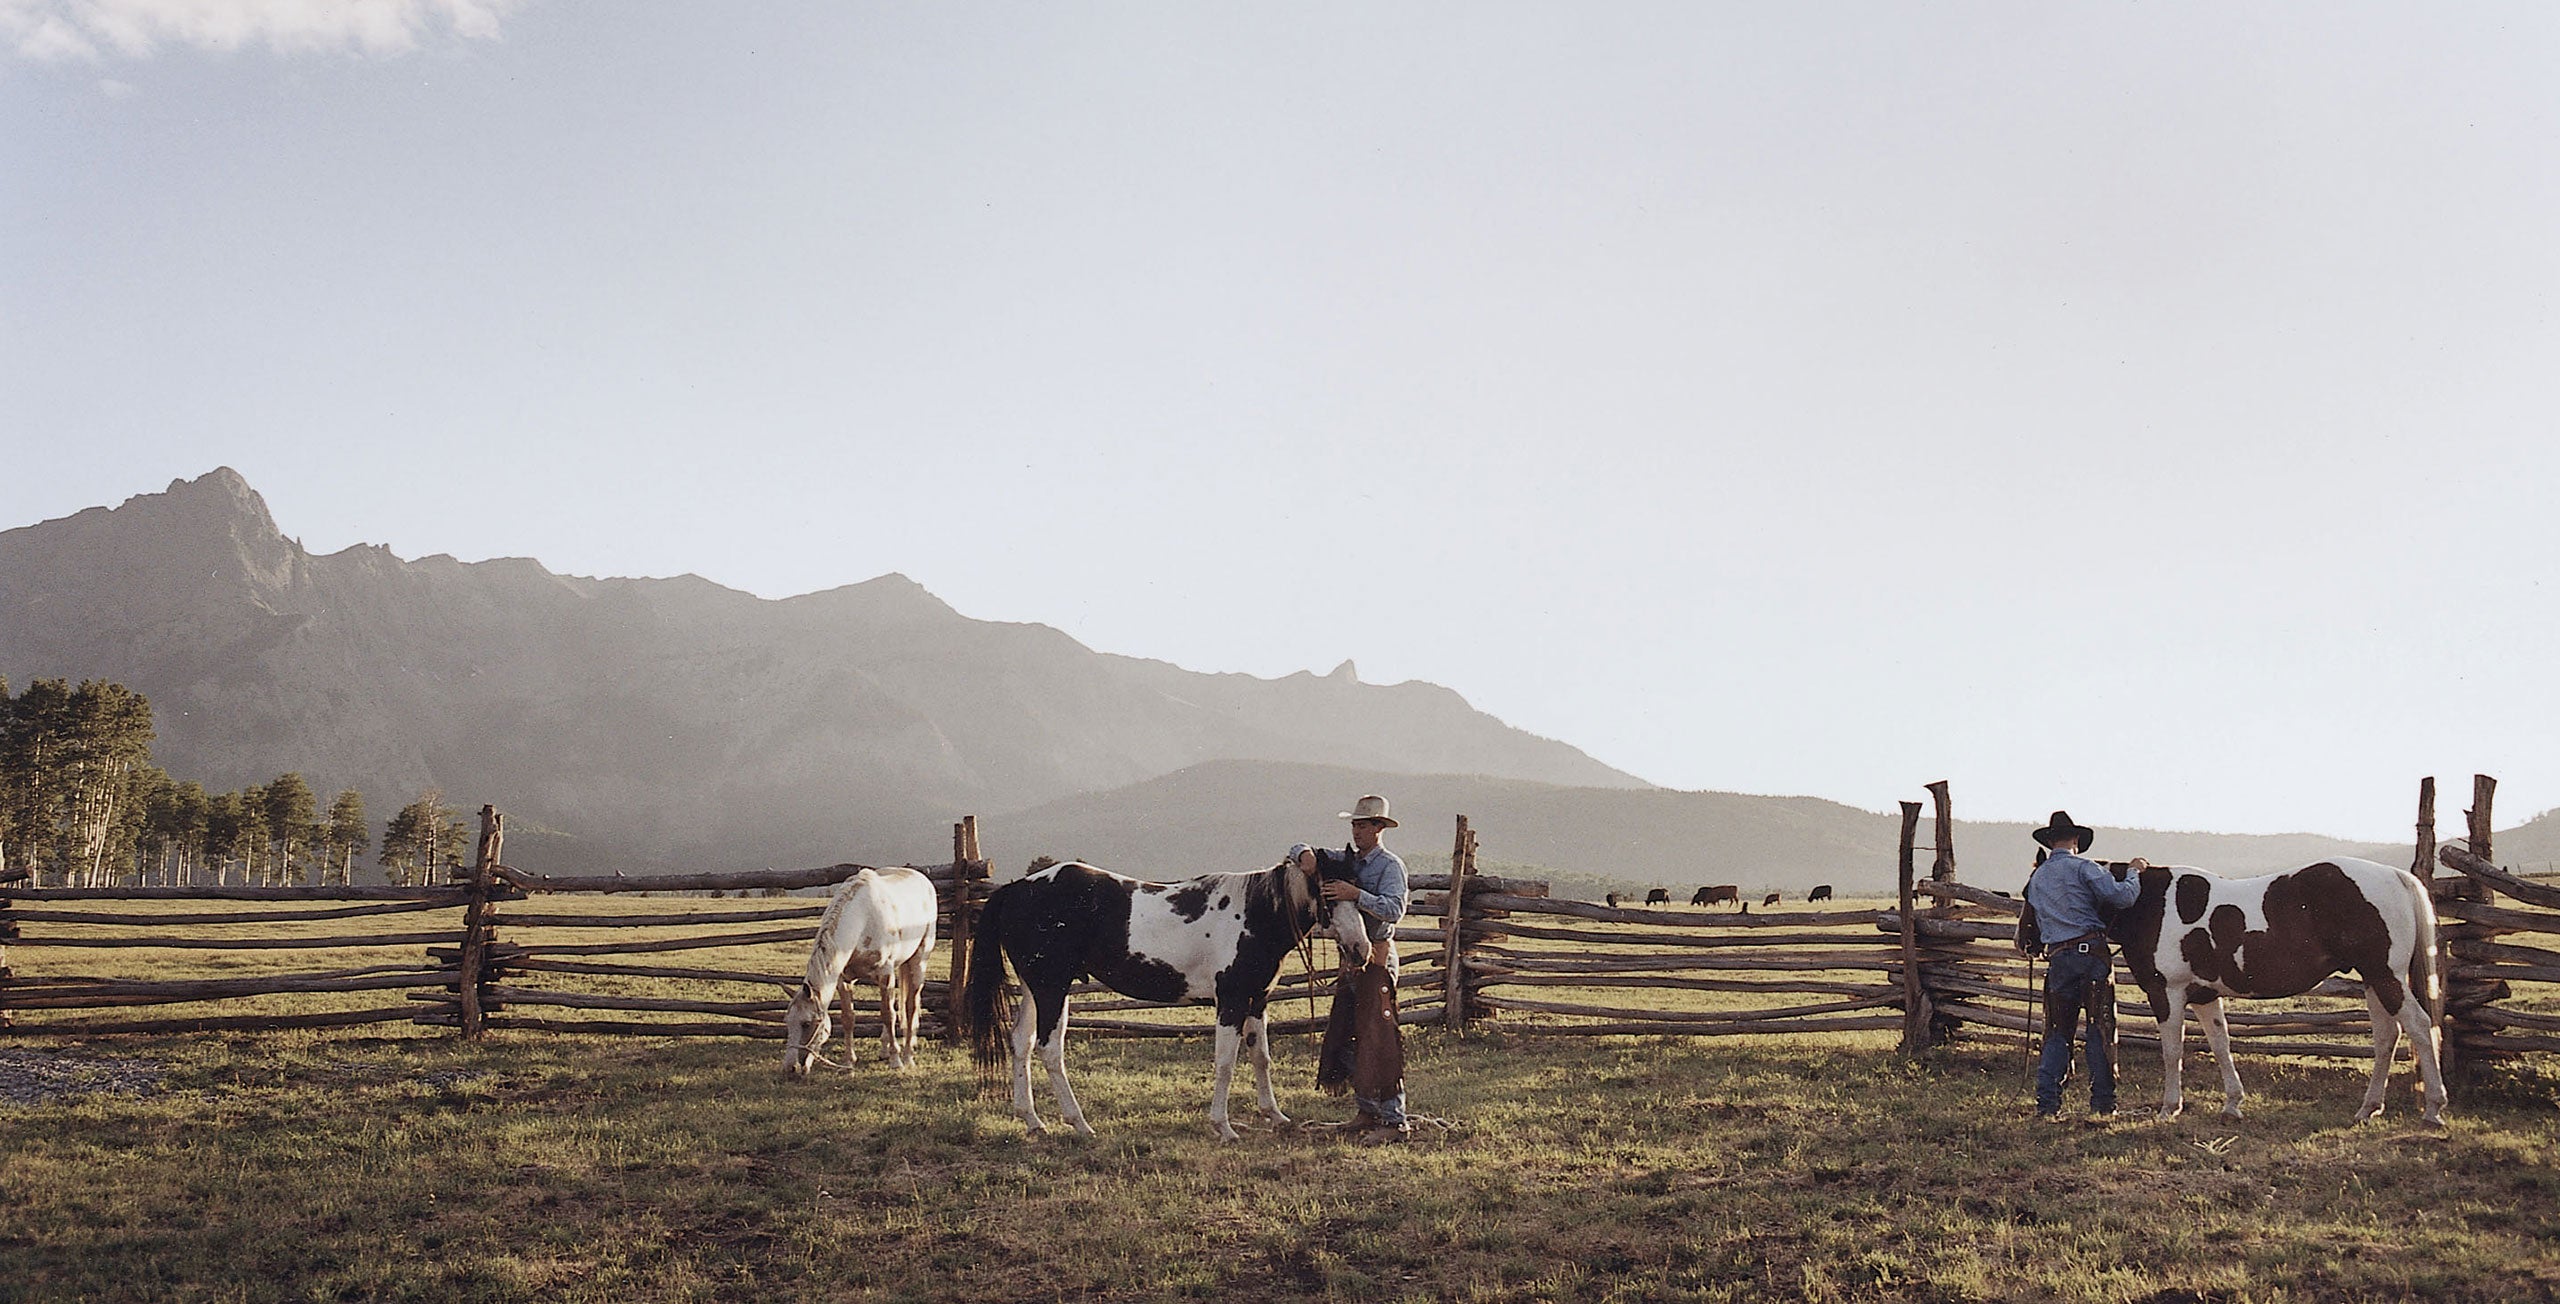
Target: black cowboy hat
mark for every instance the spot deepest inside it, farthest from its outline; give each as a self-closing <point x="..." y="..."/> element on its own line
<point x="2061" y="826"/>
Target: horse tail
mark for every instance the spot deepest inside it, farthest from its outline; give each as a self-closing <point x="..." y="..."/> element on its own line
<point x="990" y="1008"/>
<point x="2422" y="950"/>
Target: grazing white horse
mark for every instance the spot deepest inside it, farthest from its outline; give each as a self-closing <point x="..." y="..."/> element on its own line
<point x="2193" y="938"/>
<point x="877" y="929"/>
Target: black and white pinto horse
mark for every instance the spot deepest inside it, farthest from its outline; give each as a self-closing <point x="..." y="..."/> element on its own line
<point x="2193" y="938"/>
<point x="1219" y="939"/>
<point x="878" y="928"/>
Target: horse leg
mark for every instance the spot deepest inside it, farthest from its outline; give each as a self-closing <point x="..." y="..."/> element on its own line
<point x="1053" y="1051"/>
<point x="891" y="1007"/>
<point x="2386" y="1039"/>
<point x="1225" y="1074"/>
<point x="1257" y="1039"/>
<point x="844" y="1006"/>
<point x="2422" y="1039"/>
<point x="2217" y="1034"/>
<point x="911" y="986"/>
<point x="1024" y="1022"/>
<point x="2173" y="1049"/>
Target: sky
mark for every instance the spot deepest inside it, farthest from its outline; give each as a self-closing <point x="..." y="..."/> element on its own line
<point x="2145" y="410"/>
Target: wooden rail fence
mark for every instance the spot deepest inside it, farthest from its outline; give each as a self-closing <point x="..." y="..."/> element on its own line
<point x="507" y="949"/>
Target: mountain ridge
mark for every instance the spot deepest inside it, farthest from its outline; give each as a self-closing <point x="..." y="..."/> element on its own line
<point x="655" y="723"/>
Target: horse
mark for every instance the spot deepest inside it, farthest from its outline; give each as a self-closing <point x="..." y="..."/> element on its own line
<point x="1711" y="894"/>
<point x="1820" y="892"/>
<point x="2282" y="935"/>
<point x="878" y="928"/>
<point x="1218" y="939"/>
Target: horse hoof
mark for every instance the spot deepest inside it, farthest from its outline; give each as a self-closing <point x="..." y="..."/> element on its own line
<point x="2167" y="1114"/>
<point x="2231" y="1112"/>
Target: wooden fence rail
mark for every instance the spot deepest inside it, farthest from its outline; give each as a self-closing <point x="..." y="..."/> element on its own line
<point x="504" y="948"/>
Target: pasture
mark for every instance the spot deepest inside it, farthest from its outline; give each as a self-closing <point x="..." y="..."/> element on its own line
<point x="391" y="1163"/>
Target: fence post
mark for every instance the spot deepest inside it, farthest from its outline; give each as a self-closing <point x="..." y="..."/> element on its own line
<point x="1915" y="1002"/>
<point x="1453" y="964"/>
<point x="475" y="920"/>
<point x="2424" y="866"/>
<point x="965" y="864"/>
<point x="8" y="933"/>
<point x="2460" y="1065"/>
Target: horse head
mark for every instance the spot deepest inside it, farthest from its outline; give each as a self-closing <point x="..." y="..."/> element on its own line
<point x="1350" y="928"/>
<point x="804" y="1030"/>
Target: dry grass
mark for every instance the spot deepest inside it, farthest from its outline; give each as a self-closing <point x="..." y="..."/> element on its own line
<point x="366" y="1166"/>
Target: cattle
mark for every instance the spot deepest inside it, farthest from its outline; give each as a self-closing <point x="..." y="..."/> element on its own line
<point x="1820" y="892"/>
<point x="1614" y="900"/>
<point x="1769" y="900"/>
<point x="1660" y="896"/>
<point x="1714" y="892"/>
<point x="2192" y="938"/>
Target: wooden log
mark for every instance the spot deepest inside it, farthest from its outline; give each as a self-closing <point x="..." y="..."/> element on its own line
<point x="1966" y="930"/>
<point x="620" y="1027"/>
<point x="109" y="995"/>
<point x="1738" y="940"/>
<point x="744" y="881"/>
<point x="1453" y="977"/>
<point x="1515" y="1003"/>
<point x="711" y="941"/>
<point x="1676" y="918"/>
<point x="2512" y="1046"/>
<point x="2494" y="1017"/>
<point x="1788" y="1028"/>
<point x="1489" y="884"/>
<point x="1915" y="1018"/>
<point x="537" y="965"/>
<point x="216" y="1023"/>
<point x="332" y="942"/>
<point x="442" y="894"/>
<point x="2480" y="948"/>
<point x="1942" y="867"/>
<point x="2499" y="918"/>
<point x="2494" y="973"/>
<point x="687" y="919"/>
<point x="2522" y="889"/>
<point x="114" y="920"/>
<point x="1798" y="986"/>
<point x="1970" y="895"/>
<point x="772" y="1009"/>
<point x="1865" y="960"/>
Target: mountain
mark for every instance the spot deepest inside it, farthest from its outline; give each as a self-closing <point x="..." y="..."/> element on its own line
<point x="650" y="724"/>
<point x="1225" y="815"/>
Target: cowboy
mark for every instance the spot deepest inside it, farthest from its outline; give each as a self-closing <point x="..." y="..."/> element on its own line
<point x="2071" y="898"/>
<point x="1376" y="884"/>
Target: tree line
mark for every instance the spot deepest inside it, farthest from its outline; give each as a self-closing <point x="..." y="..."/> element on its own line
<point x="82" y="805"/>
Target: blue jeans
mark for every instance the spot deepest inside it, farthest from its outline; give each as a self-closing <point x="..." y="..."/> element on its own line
<point x="2074" y="979"/>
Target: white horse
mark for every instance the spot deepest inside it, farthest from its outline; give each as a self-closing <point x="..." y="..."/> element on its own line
<point x="877" y="929"/>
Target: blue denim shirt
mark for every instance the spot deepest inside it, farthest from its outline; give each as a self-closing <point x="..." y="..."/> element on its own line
<point x="1383" y="896"/>
<point x="2067" y="892"/>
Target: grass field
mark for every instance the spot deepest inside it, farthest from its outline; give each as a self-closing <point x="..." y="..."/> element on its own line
<point x="365" y="1165"/>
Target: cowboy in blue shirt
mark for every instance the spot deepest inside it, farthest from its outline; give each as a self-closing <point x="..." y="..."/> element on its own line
<point x="1378" y="888"/>
<point x="2071" y="897"/>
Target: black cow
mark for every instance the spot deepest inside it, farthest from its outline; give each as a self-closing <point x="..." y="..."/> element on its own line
<point x="1769" y="900"/>
<point x="1820" y="892"/>
<point x="1660" y="896"/>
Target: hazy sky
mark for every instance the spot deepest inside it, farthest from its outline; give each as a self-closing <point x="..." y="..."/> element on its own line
<point x="2142" y="409"/>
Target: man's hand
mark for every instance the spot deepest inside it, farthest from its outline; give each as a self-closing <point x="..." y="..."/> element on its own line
<point x="1339" y="890"/>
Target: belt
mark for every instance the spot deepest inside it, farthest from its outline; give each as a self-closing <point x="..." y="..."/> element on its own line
<point x="2085" y="943"/>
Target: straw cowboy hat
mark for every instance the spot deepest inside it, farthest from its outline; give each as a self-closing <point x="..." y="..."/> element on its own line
<point x="2060" y="827"/>
<point x="1371" y="807"/>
